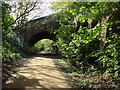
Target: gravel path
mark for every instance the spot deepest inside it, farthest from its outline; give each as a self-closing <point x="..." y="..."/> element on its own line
<point x="39" y="72"/>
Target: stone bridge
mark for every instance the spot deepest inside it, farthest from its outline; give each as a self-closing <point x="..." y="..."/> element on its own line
<point x="41" y="28"/>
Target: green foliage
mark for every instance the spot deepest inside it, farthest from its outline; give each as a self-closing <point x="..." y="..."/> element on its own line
<point x="84" y="84"/>
<point x="109" y="57"/>
<point x="82" y="46"/>
<point x="38" y="47"/>
<point x="74" y="74"/>
<point x="44" y="45"/>
<point x="47" y="44"/>
<point x="11" y="42"/>
<point x="66" y="65"/>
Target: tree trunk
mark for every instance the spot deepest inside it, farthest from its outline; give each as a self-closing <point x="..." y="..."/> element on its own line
<point x="103" y="33"/>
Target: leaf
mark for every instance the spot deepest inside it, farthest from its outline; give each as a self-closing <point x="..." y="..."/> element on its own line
<point x="116" y="74"/>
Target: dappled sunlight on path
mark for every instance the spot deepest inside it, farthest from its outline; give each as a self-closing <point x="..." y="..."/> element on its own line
<point x="39" y="72"/>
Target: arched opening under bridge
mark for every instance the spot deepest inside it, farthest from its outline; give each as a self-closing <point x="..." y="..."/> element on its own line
<point x="40" y="40"/>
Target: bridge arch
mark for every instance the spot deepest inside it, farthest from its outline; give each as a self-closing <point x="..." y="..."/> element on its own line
<point x="39" y="36"/>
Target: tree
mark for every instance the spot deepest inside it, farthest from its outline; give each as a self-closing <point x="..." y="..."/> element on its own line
<point x="89" y="39"/>
<point x="10" y="40"/>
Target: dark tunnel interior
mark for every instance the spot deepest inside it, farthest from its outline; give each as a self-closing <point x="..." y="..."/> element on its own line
<point x="39" y="36"/>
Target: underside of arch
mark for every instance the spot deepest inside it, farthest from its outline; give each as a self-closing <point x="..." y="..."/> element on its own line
<point x="39" y="36"/>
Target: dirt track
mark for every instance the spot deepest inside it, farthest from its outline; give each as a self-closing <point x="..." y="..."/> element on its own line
<point x="39" y="72"/>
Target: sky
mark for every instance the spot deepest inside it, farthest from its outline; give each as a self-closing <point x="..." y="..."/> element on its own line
<point x="43" y="11"/>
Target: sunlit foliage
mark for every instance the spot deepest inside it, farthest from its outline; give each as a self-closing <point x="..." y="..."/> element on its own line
<point x="89" y="36"/>
<point x="45" y="45"/>
<point x="10" y="44"/>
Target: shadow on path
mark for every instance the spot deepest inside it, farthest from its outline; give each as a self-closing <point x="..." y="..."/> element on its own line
<point x="23" y="83"/>
<point x="40" y="71"/>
